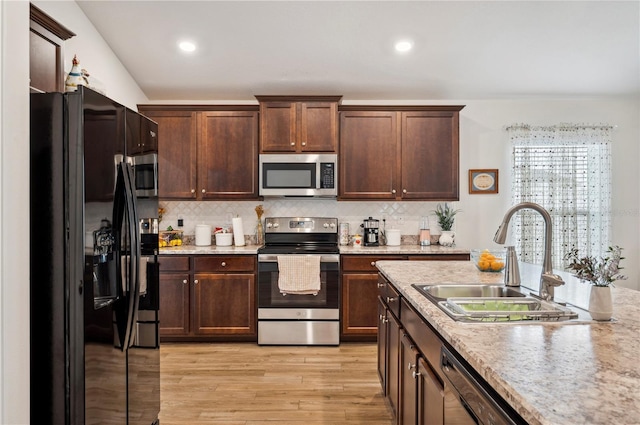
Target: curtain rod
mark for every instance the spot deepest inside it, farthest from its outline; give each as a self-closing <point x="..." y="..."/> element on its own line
<point x="562" y="126"/>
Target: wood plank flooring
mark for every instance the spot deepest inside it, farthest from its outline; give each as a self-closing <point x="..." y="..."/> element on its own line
<point x="247" y="384"/>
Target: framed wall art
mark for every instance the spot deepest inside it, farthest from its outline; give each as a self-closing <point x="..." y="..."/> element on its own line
<point x="483" y="181"/>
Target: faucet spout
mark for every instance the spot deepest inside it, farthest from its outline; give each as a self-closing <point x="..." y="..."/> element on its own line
<point x="548" y="280"/>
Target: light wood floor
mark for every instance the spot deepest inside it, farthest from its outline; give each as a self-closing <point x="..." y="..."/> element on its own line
<point x="247" y="384"/>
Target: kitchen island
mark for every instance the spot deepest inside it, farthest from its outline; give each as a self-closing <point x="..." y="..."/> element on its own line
<point x="580" y="372"/>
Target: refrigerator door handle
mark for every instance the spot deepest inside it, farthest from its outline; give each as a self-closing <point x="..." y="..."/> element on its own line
<point x="135" y="255"/>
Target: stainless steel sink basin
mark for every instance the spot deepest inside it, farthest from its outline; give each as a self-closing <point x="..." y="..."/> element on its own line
<point x="492" y="303"/>
<point x="442" y="292"/>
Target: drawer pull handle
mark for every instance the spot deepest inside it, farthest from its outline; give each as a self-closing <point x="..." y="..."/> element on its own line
<point x="223" y="264"/>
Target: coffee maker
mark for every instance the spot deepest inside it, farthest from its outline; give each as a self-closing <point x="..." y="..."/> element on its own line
<point x="371" y="228"/>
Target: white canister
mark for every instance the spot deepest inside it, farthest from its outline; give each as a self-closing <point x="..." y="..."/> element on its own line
<point x="393" y="237"/>
<point x="203" y="235"/>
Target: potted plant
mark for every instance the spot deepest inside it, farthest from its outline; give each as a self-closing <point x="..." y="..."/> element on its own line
<point x="445" y="215"/>
<point x="600" y="273"/>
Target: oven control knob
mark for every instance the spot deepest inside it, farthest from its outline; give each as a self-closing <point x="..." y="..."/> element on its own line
<point x="332" y="225"/>
<point x="269" y="225"/>
<point x="325" y="225"/>
<point x="276" y="225"/>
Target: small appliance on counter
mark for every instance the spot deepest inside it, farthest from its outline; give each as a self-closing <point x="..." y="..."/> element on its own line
<point x="371" y="228"/>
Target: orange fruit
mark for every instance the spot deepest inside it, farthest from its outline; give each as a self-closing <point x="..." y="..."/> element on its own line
<point x="497" y="266"/>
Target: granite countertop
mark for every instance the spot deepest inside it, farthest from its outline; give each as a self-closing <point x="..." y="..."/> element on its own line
<point x="366" y="250"/>
<point x="210" y="250"/>
<point x="402" y="249"/>
<point x="581" y="372"/>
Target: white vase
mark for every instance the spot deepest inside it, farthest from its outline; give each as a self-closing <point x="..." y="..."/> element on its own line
<point x="600" y="304"/>
<point x="447" y="238"/>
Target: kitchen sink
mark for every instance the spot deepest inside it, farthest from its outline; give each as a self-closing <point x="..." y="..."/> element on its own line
<point x="492" y="303"/>
<point x="442" y="292"/>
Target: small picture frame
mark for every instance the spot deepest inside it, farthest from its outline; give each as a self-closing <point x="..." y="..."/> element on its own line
<point x="483" y="181"/>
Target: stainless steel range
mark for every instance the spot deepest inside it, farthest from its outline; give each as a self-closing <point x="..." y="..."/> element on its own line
<point x="299" y="282"/>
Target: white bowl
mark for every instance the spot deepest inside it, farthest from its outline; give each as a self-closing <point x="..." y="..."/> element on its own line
<point x="224" y="239"/>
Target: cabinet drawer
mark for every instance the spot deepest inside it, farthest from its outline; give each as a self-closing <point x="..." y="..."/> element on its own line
<point x="173" y="263"/>
<point x="427" y="341"/>
<point x="360" y="263"/>
<point x="220" y="263"/>
<point x="389" y="295"/>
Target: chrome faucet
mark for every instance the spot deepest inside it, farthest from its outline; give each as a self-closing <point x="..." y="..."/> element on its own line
<point x="548" y="280"/>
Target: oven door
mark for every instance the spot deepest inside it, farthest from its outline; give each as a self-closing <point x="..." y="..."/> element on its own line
<point x="270" y="298"/>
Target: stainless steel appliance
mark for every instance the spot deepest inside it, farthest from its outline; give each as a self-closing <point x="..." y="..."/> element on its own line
<point x="299" y="175"/>
<point x="371" y="229"/>
<point x="94" y="270"/>
<point x="467" y="401"/>
<point x="145" y="167"/>
<point x="299" y="319"/>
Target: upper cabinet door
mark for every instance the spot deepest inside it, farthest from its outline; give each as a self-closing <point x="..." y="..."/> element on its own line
<point x="368" y="155"/>
<point x="297" y="124"/>
<point x="228" y="155"/>
<point x="430" y="155"/>
<point x="177" y="134"/>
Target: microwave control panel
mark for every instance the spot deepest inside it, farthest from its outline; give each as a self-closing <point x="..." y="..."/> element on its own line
<point x="327" y="175"/>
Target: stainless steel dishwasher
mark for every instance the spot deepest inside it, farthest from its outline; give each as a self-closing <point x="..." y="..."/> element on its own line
<point x="466" y="400"/>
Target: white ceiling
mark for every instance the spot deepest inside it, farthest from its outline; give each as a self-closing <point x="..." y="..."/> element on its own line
<point x="462" y="50"/>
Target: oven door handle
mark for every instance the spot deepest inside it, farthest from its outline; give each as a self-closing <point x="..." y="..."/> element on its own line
<point x="324" y="258"/>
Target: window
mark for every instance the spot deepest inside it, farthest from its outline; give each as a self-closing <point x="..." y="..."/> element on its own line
<point x="567" y="170"/>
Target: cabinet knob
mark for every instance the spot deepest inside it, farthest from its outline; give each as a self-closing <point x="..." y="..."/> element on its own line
<point x="184" y="281"/>
<point x="410" y="366"/>
<point x="304" y="143"/>
<point x="373" y="264"/>
<point x="293" y="144"/>
<point x="393" y="191"/>
<point x="380" y="285"/>
<point x="223" y="264"/>
<point x="195" y="281"/>
<point x="415" y="374"/>
<point x="404" y="190"/>
<point x="193" y="191"/>
<point x="204" y="191"/>
<point x="390" y="299"/>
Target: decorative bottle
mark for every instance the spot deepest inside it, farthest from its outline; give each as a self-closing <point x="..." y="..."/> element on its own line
<point x="425" y="232"/>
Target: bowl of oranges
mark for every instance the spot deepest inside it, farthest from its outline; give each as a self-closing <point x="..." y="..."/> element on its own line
<point x="486" y="260"/>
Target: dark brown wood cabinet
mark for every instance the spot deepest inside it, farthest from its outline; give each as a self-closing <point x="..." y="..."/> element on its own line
<point x="206" y="152"/>
<point x="46" y="52"/>
<point x="389" y="333"/>
<point x="177" y="136"/>
<point x="175" y="284"/>
<point x="401" y="153"/>
<point x="228" y="155"/>
<point x="141" y="134"/>
<point x="359" y="277"/>
<point x="296" y="124"/>
<point x="214" y="299"/>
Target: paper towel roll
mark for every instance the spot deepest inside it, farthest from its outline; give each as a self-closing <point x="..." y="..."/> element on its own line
<point x="203" y="235"/>
<point x="238" y="231"/>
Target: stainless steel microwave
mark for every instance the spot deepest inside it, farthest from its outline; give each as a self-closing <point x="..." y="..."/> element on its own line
<point x="298" y="175"/>
<point x="146" y="172"/>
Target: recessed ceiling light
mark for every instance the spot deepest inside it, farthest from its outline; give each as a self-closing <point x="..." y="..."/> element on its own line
<point x="187" y="46"/>
<point x="404" y="46"/>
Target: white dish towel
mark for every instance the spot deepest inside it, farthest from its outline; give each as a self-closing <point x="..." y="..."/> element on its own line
<point x="299" y="274"/>
<point x="143" y="273"/>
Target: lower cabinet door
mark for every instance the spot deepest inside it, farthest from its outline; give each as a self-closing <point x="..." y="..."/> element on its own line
<point x="383" y="351"/>
<point x="393" y="361"/>
<point x="408" y="407"/>
<point x="430" y="396"/>
<point x="359" y="311"/>
<point x="224" y="304"/>
<point x="174" y="304"/>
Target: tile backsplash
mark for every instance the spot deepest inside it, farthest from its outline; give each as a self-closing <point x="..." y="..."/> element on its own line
<point x="399" y="215"/>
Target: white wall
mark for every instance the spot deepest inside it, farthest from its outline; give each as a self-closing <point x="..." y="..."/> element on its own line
<point x="93" y="52"/>
<point x="14" y="212"/>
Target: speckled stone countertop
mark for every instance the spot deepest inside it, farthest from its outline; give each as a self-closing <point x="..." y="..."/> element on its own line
<point x="366" y="250"/>
<point x="402" y="249"/>
<point x="551" y="373"/>
<point x="210" y="250"/>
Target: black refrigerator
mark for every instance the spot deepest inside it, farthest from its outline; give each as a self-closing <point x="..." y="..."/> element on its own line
<point x="93" y="269"/>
